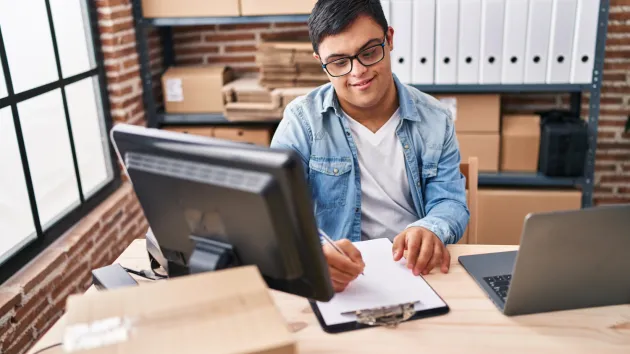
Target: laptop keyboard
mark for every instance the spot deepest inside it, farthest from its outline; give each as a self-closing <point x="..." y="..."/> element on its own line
<point x="499" y="284"/>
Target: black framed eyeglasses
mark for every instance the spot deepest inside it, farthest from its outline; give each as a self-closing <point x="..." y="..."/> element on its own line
<point x="367" y="57"/>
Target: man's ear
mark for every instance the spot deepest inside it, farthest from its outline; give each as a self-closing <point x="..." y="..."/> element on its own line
<point x="390" y="38"/>
<point x="316" y="56"/>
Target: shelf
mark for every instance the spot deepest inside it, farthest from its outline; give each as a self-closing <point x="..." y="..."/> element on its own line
<point x="498" y="88"/>
<point x="507" y="179"/>
<point x="197" y="21"/>
<point x="206" y="118"/>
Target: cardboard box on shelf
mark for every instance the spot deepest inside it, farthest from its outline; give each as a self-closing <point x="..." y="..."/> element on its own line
<point x="520" y="143"/>
<point x="484" y="146"/>
<point x="276" y="7"/>
<point x="258" y="136"/>
<point x="474" y="113"/>
<point x="194" y="89"/>
<point x="173" y="316"/>
<point x="189" y="8"/>
<point x="194" y="130"/>
<point x="502" y="212"/>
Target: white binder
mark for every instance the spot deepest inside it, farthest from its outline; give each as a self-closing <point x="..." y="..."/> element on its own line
<point x="469" y="41"/>
<point x="386" y="5"/>
<point x="447" y="19"/>
<point x="514" y="38"/>
<point x="537" y="47"/>
<point x="584" y="41"/>
<point x="401" y="15"/>
<point x="492" y="24"/>
<point x="423" y="38"/>
<point x="561" y="45"/>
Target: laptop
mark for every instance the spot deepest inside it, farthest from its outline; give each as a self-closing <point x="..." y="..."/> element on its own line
<point x="566" y="260"/>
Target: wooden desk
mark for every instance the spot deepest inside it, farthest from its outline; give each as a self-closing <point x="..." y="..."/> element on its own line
<point x="474" y="325"/>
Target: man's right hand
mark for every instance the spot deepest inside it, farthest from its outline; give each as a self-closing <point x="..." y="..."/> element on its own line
<point x="343" y="270"/>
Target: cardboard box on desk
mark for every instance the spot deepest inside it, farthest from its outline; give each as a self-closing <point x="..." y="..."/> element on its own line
<point x="235" y="314"/>
<point x="502" y="212"/>
<point x="485" y="146"/>
<point x="276" y="7"/>
<point x="520" y="143"/>
<point x="189" y="8"/>
<point x="195" y="89"/>
<point x="474" y="113"/>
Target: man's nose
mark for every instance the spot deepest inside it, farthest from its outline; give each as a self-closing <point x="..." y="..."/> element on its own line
<point x="358" y="69"/>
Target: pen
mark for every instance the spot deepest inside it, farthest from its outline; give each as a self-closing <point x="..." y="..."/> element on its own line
<point x="332" y="243"/>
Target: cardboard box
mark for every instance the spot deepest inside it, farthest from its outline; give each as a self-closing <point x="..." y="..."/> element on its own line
<point x="202" y="131"/>
<point x="502" y="212"/>
<point x="276" y="7"/>
<point x="474" y="113"/>
<point x="258" y="136"/>
<point x="189" y="8"/>
<point x="177" y="316"/>
<point x="195" y="89"/>
<point x="484" y="146"/>
<point x="520" y="143"/>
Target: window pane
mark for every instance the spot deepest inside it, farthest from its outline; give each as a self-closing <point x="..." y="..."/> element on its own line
<point x="72" y="29"/>
<point x="49" y="155"/>
<point x="28" y="43"/>
<point x="90" y="137"/>
<point x="16" y="220"/>
<point x="3" y="85"/>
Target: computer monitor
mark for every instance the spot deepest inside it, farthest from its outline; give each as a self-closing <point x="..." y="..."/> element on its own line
<point x="214" y="204"/>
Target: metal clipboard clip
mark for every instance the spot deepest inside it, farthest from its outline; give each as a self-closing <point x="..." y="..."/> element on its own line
<point x="388" y="316"/>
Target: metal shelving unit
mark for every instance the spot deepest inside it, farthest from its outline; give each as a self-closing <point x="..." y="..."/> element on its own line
<point x="156" y="118"/>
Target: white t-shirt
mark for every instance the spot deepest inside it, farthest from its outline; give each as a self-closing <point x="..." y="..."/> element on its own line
<point x="386" y="203"/>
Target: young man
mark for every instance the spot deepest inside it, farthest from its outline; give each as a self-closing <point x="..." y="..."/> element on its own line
<point x="382" y="158"/>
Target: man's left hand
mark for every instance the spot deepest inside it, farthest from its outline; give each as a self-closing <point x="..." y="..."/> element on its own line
<point x="422" y="249"/>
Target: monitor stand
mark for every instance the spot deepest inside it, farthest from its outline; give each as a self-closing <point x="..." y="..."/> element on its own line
<point x="210" y="255"/>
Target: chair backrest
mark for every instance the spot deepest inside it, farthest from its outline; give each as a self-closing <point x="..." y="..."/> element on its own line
<point x="470" y="170"/>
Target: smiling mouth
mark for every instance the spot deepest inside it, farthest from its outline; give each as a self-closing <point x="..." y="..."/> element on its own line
<point x="362" y="83"/>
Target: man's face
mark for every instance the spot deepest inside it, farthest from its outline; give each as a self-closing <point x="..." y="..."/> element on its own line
<point x="364" y="86"/>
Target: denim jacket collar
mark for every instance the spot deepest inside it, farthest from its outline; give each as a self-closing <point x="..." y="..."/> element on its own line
<point x="407" y="105"/>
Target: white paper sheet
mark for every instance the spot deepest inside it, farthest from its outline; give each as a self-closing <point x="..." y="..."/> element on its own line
<point x="384" y="283"/>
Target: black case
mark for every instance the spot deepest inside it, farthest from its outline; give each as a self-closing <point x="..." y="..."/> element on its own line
<point x="563" y="144"/>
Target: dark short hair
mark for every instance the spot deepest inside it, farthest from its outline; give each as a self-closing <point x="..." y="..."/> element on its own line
<point x="331" y="17"/>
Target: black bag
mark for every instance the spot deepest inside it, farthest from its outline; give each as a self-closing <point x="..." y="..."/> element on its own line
<point x="563" y="144"/>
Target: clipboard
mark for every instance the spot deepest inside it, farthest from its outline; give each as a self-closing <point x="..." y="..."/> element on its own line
<point x="391" y="296"/>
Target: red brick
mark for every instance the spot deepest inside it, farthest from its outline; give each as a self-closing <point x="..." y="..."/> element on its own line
<point x="611" y="123"/>
<point x="9" y="298"/>
<point x="611" y="200"/>
<point x="624" y="190"/>
<point x="18" y="346"/>
<point x="615" y="77"/>
<point x="130" y="63"/>
<point x="121" y="91"/>
<point x="298" y="34"/>
<point x="603" y="190"/>
<point x="122" y="13"/>
<point x="35" y="272"/>
<point x="611" y="100"/>
<point x="198" y="50"/>
<point x="6" y="328"/>
<point x="606" y="135"/>
<point x="197" y="38"/>
<point x="229" y="37"/>
<point x="189" y="61"/>
<point x="613" y="146"/>
<point x="615" y="179"/>
<point x="123" y="26"/>
<point x="246" y="69"/>
<point x="239" y="59"/>
<point x="616" y="41"/>
<point x="24" y="322"/>
<point x="618" y="28"/>
<point x="111" y="3"/>
<point x="290" y="24"/>
<point x="616" y="65"/>
<point x="605" y="168"/>
<point x="244" y="26"/>
<point x="240" y="48"/>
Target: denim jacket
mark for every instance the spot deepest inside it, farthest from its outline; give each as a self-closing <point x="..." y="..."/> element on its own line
<point x="314" y="126"/>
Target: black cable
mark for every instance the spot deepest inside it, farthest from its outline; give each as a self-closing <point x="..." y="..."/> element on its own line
<point x="48" y="348"/>
<point x="145" y="274"/>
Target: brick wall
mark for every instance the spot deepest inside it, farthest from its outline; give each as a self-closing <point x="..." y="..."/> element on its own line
<point x="34" y="298"/>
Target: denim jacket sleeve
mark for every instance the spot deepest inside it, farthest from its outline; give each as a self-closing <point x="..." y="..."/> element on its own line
<point x="294" y="133"/>
<point x="447" y="213"/>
